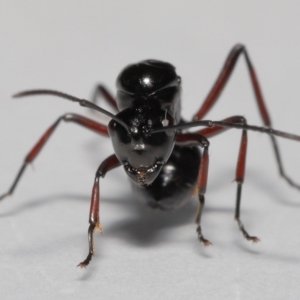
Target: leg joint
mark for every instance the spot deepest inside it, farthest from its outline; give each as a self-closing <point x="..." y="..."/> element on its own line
<point x="205" y="143"/>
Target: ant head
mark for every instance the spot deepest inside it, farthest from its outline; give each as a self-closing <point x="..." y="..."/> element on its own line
<point x="142" y="154"/>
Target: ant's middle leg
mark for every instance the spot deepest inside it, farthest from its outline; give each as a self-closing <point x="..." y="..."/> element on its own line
<point x="218" y="87"/>
<point x="85" y="122"/>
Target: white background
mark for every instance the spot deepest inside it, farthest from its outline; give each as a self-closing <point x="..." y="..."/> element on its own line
<point x="144" y="254"/>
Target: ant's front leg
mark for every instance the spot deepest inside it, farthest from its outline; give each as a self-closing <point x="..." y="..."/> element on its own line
<point x="87" y="123"/>
<point x="108" y="164"/>
<point x="190" y="140"/>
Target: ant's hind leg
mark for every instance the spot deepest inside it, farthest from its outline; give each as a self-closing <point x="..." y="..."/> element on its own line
<point x="218" y="87"/>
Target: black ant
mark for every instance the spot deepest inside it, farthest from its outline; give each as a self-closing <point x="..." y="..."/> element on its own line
<point x="150" y="139"/>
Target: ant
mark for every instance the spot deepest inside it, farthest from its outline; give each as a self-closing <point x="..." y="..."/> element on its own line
<point x="150" y="140"/>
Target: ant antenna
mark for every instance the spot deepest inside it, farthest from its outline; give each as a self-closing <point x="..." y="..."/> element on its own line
<point x="241" y="125"/>
<point x="81" y="102"/>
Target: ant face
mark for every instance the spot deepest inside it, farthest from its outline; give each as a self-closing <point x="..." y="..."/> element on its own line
<point x="142" y="154"/>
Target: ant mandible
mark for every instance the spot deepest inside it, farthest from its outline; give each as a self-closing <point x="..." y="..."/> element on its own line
<point x="150" y="139"/>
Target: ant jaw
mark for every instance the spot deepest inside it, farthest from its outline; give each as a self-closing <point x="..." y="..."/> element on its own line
<point x="143" y="176"/>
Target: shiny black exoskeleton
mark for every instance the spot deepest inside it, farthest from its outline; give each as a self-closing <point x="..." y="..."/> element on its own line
<point x="152" y="143"/>
<point x="148" y="97"/>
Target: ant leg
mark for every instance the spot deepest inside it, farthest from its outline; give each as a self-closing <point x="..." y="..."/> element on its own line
<point x="240" y="174"/>
<point x="202" y="182"/>
<point x="198" y="140"/>
<point x="222" y="80"/>
<point x="240" y="169"/>
<point x="108" y="164"/>
<point x="218" y="88"/>
<point x="101" y="90"/>
<point x="87" y="123"/>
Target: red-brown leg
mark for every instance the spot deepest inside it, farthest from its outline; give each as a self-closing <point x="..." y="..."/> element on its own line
<point x="222" y="80"/>
<point x="87" y="123"/>
<point x="101" y="90"/>
<point x="240" y="169"/>
<point x="218" y="88"/>
<point x="239" y="177"/>
<point x="108" y="164"/>
<point x="198" y="140"/>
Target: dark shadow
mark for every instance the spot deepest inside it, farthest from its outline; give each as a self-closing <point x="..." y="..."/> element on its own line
<point x="146" y="227"/>
<point x="141" y="225"/>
